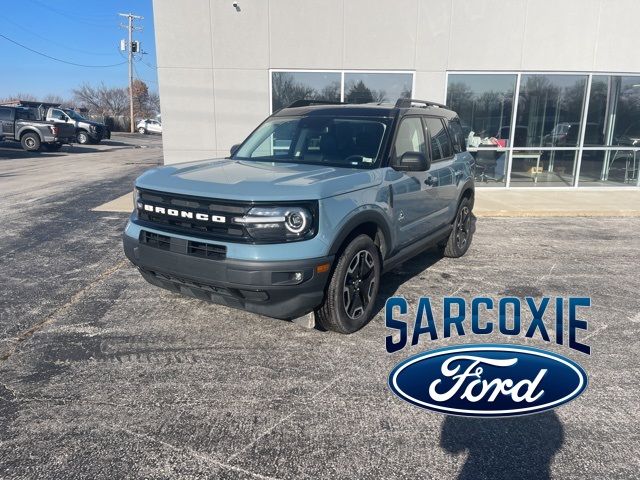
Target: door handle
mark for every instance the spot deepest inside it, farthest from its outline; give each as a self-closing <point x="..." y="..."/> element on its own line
<point x="431" y="181"/>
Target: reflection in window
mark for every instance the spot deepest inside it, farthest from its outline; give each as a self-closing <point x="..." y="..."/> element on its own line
<point x="609" y="167"/>
<point x="440" y="144"/>
<point x="410" y="137"/>
<point x="614" y="111"/>
<point x="484" y="104"/>
<point x="544" y="168"/>
<point x="550" y="110"/>
<point x="491" y="167"/>
<point x="287" y="87"/>
<point x="376" y="87"/>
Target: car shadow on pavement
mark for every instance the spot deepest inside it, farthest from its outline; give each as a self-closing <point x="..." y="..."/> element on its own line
<point x="504" y="448"/>
<point x="392" y="280"/>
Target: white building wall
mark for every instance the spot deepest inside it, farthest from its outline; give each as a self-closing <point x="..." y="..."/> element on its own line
<point x="213" y="61"/>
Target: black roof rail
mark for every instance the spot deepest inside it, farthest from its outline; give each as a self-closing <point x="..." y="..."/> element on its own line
<point x="306" y="103"/>
<point x="407" y="102"/>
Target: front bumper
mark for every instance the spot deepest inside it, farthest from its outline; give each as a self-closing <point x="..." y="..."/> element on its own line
<point x="263" y="287"/>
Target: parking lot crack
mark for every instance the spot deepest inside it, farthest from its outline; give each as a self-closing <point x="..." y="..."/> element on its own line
<point x="195" y="454"/>
<point x="75" y="298"/>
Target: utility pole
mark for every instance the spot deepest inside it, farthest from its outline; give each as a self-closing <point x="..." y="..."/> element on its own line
<point x="130" y="27"/>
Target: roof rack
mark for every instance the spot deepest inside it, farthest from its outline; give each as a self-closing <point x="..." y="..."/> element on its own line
<point x="306" y="103"/>
<point x="407" y="102"/>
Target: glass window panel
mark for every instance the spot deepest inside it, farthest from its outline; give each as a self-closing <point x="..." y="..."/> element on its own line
<point x="614" y="111"/>
<point x="550" y="110"/>
<point x="484" y="104"/>
<point x="376" y="87"/>
<point x="440" y="144"/>
<point x="410" y="137"/>
<point x="491" y="167"/>
<point x="543" y="168"/>
<point x="609" y="168"/>
<point x="287" y="87"/>
<point x="457" y="136"/>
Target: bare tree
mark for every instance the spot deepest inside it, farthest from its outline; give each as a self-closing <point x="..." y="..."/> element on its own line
<point x="102" y="100"/>
<point x="154" y="103"/>
<point x="286" y="90"/>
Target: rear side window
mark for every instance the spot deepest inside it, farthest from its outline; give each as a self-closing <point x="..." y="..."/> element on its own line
<point x="455" y="130"/>
<point x="441" y="146"/>
<point x="5" y="113"/>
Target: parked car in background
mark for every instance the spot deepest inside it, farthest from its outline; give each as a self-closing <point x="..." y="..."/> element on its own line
<point x="86" y="131"/>
<point x="21" y="124"/>
<point x="149" y="126"/>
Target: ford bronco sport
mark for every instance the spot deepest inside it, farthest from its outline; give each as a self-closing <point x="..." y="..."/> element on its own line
<point x="308" y="212"/>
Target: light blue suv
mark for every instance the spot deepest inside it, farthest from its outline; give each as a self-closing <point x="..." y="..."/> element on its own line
<point x="309" y="211"/>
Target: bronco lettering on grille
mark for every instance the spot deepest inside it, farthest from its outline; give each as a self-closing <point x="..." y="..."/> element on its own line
<point x="171" y="212"/>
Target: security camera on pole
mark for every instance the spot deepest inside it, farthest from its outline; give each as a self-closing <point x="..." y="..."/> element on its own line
<point x="132" y="47"/>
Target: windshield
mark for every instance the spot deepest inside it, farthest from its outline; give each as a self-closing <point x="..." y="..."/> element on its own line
<point x="76" y="116"/>
<point x="336" y="141"/>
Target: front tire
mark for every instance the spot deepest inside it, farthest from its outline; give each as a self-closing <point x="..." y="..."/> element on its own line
<point x="30" y="142"/>
<point x="353" y="288"/>
<point x="459" y="240"/>
<point x="142" y="130"/>
<point x="83" y="138"/>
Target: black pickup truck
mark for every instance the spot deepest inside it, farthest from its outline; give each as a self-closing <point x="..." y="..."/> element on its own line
<point x="20" y="124"/>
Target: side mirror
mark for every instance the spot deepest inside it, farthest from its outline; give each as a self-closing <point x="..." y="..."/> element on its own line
<point x="234" y="149"/>
<point x="412" y="162"/>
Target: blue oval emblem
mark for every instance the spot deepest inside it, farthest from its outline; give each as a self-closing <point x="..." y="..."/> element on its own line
<point x="488" y="380"/>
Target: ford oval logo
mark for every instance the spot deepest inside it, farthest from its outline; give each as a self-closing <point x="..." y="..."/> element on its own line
<point x="488" y="380"/>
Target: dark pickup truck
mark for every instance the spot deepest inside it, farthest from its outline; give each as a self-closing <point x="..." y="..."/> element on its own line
<point x="21" y="125"/>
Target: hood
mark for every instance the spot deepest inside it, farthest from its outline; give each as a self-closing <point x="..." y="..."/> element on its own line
<point x="256" y="181"/>
<point x="91" y="122"/>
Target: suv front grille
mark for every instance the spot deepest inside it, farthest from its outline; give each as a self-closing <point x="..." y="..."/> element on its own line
<point x="207" y="250"/>
<point x="183" y="207"/>
<point x="156" y="241"/>
<point x="178" y="245"/>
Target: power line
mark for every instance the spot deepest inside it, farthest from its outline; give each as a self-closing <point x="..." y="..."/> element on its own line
<point x="31" y="32"/>
<point x="73" y="18"/>
<point x="59" y="59"/>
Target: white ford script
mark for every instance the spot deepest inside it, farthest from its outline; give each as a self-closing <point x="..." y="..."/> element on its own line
<point x="470" y="385"/>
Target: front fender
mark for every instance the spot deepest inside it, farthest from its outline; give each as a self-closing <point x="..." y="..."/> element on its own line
<point x="366" y="214"/>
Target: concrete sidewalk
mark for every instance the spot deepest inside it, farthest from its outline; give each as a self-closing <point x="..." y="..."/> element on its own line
<point x="557" y="203"/>
<point x="517" y="203"/>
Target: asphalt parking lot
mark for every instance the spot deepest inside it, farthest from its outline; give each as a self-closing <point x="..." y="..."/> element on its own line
<point x="103" y="376"/>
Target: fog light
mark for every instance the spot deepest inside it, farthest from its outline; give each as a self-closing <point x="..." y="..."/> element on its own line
<point x="297" y="276"/>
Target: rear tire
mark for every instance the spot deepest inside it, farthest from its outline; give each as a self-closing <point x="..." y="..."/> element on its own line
<point x="142" y="130"/>
<point x="353" y="288"/>
<point x="459" y="240"/>
<point x="30" y="142"/>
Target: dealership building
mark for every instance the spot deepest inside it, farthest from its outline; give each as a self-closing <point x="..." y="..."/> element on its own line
<point x="548" y="92"/>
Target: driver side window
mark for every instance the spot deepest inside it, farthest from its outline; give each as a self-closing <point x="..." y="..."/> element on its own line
<point x="410" y="137"/>
<point x="59" y="115"/>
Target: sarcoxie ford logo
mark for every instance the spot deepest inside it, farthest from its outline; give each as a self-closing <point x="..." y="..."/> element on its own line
<point x="488" y="380"/>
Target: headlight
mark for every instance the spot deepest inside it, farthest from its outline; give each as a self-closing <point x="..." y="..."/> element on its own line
<point x="136" y="197"/>
<point x="286" y="223"/>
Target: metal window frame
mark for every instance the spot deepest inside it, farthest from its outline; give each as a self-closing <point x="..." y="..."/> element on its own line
<point x="342" y="73"/>
<point x="579" y="149"/>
